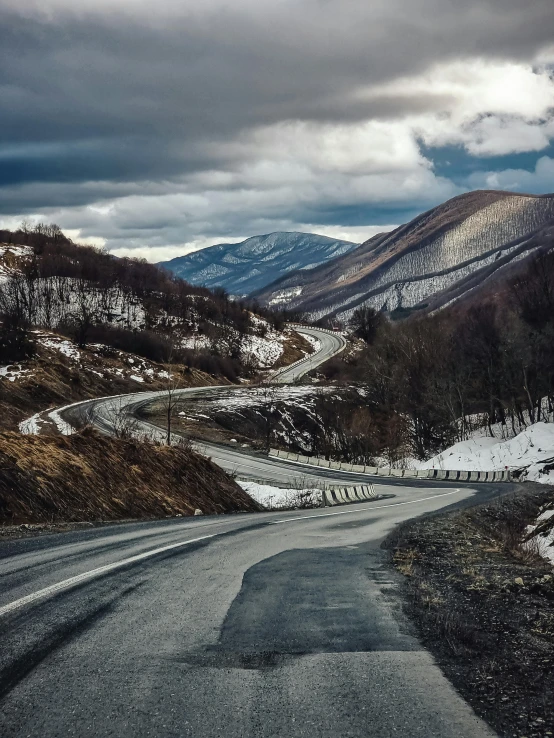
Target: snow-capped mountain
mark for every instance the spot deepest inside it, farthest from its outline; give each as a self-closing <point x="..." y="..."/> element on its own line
<point x="244" y="267"/>
<point x="434" y="259"/>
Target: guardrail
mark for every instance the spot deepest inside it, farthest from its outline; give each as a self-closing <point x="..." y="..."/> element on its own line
<point x="380" y="471"/>
<point x="300" y="326"/>
<point x="306" y="359"/>
<point x="344" y="495"/>
<point x="332" y="494"/>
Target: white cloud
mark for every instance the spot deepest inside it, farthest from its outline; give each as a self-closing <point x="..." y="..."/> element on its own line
<point x="271" y="177"/>
<point x="541" y="180"/>
<point x="255" y="117"/>
<point x="75" y="234"/>
<point x="495" y="108"/>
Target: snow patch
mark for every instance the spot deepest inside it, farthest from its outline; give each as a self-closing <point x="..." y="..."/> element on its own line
<point x="532" y="450"/>
<point x="543" y="541"/>
<point x="13" y="372"/>
<point x="277" y="498"/>
<point x="62" y="345"/>
<point x="31" y="426"/>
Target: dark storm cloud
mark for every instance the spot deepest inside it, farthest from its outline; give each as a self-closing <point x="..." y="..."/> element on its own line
<point x="127" y="93"/>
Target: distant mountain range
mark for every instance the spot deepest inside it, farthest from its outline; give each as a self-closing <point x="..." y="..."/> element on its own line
<point x="243" y="268"/>
<point x="441" y="256"/>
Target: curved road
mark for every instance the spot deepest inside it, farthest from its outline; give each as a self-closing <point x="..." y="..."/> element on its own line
<point x="330" y="344"/>
<point x="271" y="625"/>
<point x="106" y="413"/>
<point x="249" y="626"/>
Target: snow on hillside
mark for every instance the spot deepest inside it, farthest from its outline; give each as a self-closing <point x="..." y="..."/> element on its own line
<point x="243" y="268"/>
<point x="532" y="450"/>
<point x="262" y="348"/>
<point x="10" y="255"/>
<point x="13" y="372"/>
<point x="237" y="399"/>
<point x="416" y="262"/>
<point x="97" y="358"/>
<point x="540" y="536"/>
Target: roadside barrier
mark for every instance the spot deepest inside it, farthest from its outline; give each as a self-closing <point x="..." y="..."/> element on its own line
<point x="306" y="359"/>
<point x="381" y="471"/>
<point x="332" y="494"/>
<point x="344" y="495"/>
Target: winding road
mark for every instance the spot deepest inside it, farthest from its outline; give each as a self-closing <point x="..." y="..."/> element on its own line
<point x="268" y="625"/>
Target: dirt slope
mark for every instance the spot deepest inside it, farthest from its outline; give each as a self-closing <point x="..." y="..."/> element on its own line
<point x="88" y="477"/>
<point x="61" y="373"/>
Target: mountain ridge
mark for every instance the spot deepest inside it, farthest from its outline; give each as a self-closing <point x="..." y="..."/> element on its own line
<point x="406" y="268"/>
<point x="242" y="268"/>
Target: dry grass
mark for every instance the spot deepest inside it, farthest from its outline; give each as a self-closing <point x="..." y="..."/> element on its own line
<point x="294" y="348"/>
<point x="88" y="477"/>
<point x="404" y="560"/>
<point x="483" y="602"/>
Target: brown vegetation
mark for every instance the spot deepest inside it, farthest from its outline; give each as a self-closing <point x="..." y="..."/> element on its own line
<point x="483" y="602"/>
<point x="88" y="477"/>
<point x="425" y="379"/>
<point x="52" y="379"/>
<point x="295" y="348"/>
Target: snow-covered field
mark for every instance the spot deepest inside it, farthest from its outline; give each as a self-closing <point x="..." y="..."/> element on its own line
<point x="238" y="399"/>
<point x="532" y="450"/>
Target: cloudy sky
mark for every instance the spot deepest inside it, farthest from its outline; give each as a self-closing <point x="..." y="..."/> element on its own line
<point x="161" y="127"/>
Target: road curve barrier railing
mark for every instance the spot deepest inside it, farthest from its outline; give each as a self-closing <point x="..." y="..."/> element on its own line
<point x="382" y="471"/>
<point x="306" y="359"/>
<point x="332" y="494"/>
<point x="344" y="495"/>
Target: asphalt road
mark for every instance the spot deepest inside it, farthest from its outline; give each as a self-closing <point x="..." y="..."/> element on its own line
<point x="330" y="344"/>
<point x="277" y="625"/>
<point x="272" y="625"/>
<point x="107" y="413"/>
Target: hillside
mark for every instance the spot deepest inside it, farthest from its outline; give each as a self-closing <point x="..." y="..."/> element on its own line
<point x="76" y="323"/>
<point x="480" y="368"/>
<point x="87" y="477"/>
<point x="242" y="268"/>
<point x="449" y="249"/>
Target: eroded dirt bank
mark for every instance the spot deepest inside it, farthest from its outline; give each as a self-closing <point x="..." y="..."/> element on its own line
<point x="88" y="477"/>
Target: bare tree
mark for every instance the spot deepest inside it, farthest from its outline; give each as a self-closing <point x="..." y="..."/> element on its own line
<point x="173" y="382"/>
<point x="123" y="424"/>
<point x="268" y="395"/>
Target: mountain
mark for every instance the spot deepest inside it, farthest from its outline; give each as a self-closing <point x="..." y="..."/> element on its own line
<point x="438" y="257"/>
<point x="244" y="267"/>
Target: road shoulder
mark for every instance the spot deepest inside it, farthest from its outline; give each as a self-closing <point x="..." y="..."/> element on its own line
<point x="484" y="606"/>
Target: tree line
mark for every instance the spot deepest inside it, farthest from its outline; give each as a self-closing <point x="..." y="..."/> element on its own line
<point x="92" y="296"/>
<point x="429" y="381"/>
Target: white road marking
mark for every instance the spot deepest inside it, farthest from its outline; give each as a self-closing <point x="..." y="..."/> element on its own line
<point x="72" y="581"/>
<point x="92" y="573"/>
<point x="363" y="509"/>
